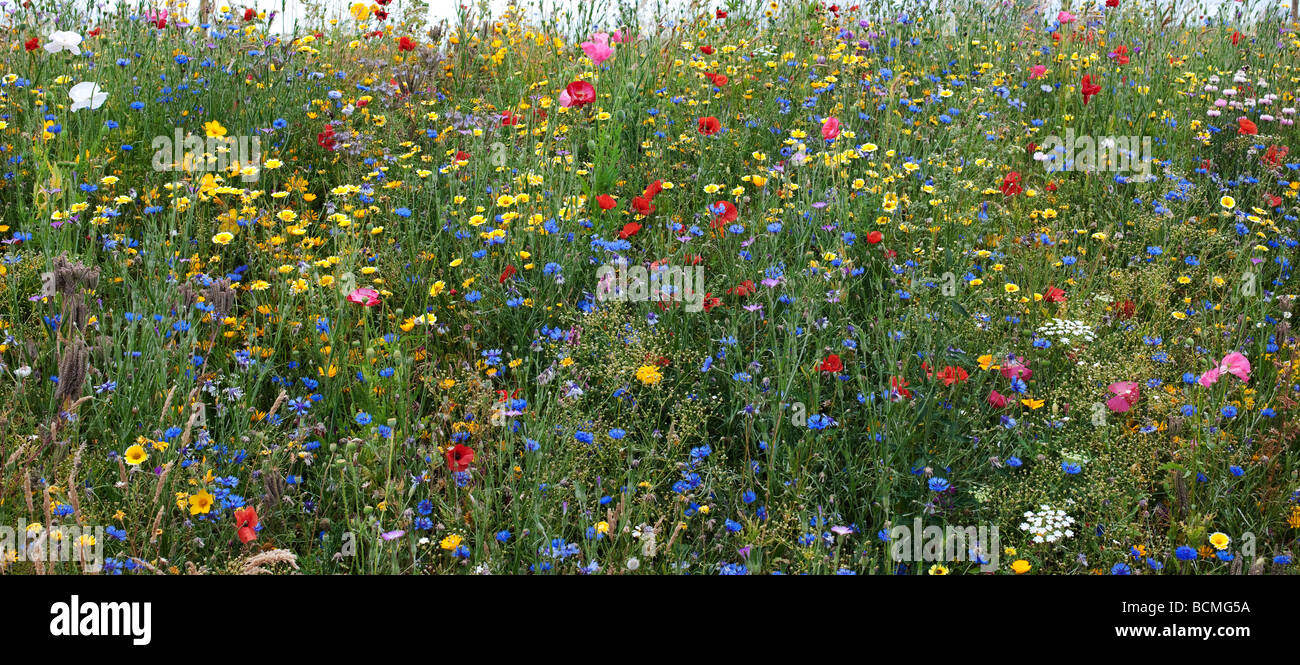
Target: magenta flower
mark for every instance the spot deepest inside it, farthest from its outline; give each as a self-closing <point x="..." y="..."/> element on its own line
<point x="364" y="296"/>
<point x="997" y="400"/>
<point x="598" y="49"/>
<point x="1126" y="395"/>
<point x="831" y="128"/>
<point x="1234" y="363"/>
<point x="1015" y="368"/>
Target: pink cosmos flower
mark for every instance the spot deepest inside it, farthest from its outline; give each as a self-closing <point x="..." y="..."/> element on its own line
<point x="1126" y="395"/>
<point x="1234" y="363"/>
<point x="618" y="37"/>
<point x="1037" y="72"/>
<point x="1065" y="17"/>
<point x="831" y="128"/>
<point x="364" y="296"/>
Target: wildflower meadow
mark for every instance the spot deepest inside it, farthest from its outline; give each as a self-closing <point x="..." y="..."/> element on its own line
<point x="711" y="288"/>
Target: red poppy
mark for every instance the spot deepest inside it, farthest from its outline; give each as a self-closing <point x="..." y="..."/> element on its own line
<point x="509" y="272"/>
<point x="642" y="206"/>
<point x="406" y="44"/>
<point x="1030" y="148"/>
<point x="746" y="288"/>
<point x="653" y="189"/>
<point x="709" y="126"/>
<point x="1051" y="185"/>
<point x="1273" y="156"/>
<point x="875" y="237"/>
<point x="326" y="138"/>
<point x="728" y="214"/>
<point x="720" y="14"/>
<point x="1011" y="184"/>
<point x="1088" y="88"/>
<point x="710" y="302"/>
<point x="606" y="202"/>
<point x="832" y="363"/>
<point x="250" y="14"/>
<point x="1236" y="37"/>
<point x="1245" y="126"/>
<point x="629" y="229"/>
<point x="462" y="156"/>
<point x="1120" y="54"/>
<point x="32" y="44"/>
<point x="459" y="457"/>
<point x="581" y="93"/>
<point x="950" y="375"/>
<point x="381" y="14"/>
<point x="509" y="119"/>
<point x="246" y="524"/>
<point x="718" y="80"/>
<point x="1112" y="3"/>
<point x="706" y="49"/>
<point x="898" y="386"/>
<point x="1127" y="309"/>
<point x="1054" y="295"/>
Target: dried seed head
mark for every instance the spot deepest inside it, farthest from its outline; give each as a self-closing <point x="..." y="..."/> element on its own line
<point x="72" y="369"/>
<point x="221" y="295"/>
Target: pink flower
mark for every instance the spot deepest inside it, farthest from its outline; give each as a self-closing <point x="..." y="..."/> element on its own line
<point x="1015" y="368"/>
<point x="831" y="128"/>
<point x="1037" y="72"/>
<point x="564" y="99"/>
<point x="598" y="49"/>
<point x="1234" y="363"/>
<point x="364" y="296"/>
<point x="1126" y="395"/>
<point x="1065" y="17"/>
<point x="158" y="18"/>
<point x="618" y="37"/>
<point x="997" y="400"/>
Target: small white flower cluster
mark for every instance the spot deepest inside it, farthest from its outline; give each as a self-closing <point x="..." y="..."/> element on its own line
<point x="1048" y="525"/>
<point x="645" y="534"/>
<point x="1065" y="330"/>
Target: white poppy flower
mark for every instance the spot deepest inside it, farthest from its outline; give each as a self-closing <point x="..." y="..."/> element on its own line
<point x="62" y="40"/>
<point x="87" y="95"/>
